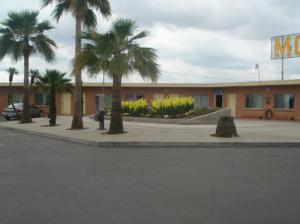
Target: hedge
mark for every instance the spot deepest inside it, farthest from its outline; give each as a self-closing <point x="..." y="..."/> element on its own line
<point x="172" y="106"/>
<point x="135" y="108"/>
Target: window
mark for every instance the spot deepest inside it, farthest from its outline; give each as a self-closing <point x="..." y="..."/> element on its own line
<point x="254" y="101"/>
<point x="139" y="96"/>
<point x="107" y="100"/>
<point x="201" y="102"/>
<point x="159" y="96"/>
<point x="42" y="99"/>
<point x="17" y="98"/>
<point x="284" y="101"/>
<point x="133" y="97"/>
<point x="173" y="95"/>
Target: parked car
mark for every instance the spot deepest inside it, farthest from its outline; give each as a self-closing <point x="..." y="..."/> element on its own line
<point x="9" y="112"/>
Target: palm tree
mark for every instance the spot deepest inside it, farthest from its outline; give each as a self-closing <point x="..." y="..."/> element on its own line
<point x="51" y="82"/>
<point x="83" y="12"/>
<point x="22" y="36"/>
<point x="11" y="71"/>
<point x="34" y="73"/>
<point x="117" y="54"/>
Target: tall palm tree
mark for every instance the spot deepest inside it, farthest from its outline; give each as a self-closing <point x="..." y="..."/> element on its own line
<point x="117" y="54"/>
<point x="11" y="71"/>
<point x="21" y="36"/>
<point x="34" y="73"/>
<point x="84" y="15"/>
<point x="52" y="82"/>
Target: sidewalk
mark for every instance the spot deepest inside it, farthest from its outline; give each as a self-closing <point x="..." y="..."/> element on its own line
<point x="251" y="132"/>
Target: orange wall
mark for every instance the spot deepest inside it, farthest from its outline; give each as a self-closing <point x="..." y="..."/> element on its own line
<point x="148" y="92"/>
<point x="266" y="91"/>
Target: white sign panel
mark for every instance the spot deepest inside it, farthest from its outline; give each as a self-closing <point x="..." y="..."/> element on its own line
<point x="287" y="46"/>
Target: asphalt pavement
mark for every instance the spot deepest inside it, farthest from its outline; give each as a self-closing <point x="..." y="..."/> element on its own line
<point x="2" y="118"/>
<point x="52" y="181"/>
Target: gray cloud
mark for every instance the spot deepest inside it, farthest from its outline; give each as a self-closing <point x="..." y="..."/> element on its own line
<point x="197" y="41"/>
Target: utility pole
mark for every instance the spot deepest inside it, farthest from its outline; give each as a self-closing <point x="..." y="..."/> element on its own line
<point x="103" y="84"/>
<point x="282" y="60"/>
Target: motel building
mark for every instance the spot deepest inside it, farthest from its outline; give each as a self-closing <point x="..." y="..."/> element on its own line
<point x="278" y="100"/>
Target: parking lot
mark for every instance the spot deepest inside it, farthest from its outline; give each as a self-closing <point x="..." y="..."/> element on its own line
<point x="52" y="181"/>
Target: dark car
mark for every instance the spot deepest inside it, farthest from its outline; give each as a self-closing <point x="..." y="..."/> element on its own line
<point x="10" y="113"/>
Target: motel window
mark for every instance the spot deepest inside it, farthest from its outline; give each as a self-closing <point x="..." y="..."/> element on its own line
<point x="201" y="102"/>
<point x="133" y="97"/>
<point x="284" y="101"/>
<point x="17" y="98"/>
<point x="107" y="100"/>
<point x="42" y="99"/>
<point x="158" y="96"/>
<point x="129" y="97"/>
<point x="254" y="101"/>
<point x="139" y="96"/>
<point x="173" y="95"/>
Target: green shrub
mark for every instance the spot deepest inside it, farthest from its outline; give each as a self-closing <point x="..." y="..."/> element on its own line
<point x="135" y="108"/>
<point x="172" y="106"/>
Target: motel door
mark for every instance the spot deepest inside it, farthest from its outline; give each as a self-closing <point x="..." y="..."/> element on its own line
<point x="66" y="99"/>
<point x="219" y="93"/>
<point x="231" y="103"/>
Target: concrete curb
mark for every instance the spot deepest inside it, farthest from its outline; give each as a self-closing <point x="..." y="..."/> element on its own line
<point x="160" y="144"/>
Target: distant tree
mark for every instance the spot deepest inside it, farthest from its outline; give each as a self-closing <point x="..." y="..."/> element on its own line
<point x="21" y="36"/>
<point x="34" y="73"/>
<point x="52" y="82"/>
<point x="11" y="71"/>
<point x="83" y="12"/>
<point x="117" y="54"/>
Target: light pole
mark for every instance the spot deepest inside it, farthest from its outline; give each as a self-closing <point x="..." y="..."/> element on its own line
<point x="103" y="79"/>
<point x="258" y="70"/>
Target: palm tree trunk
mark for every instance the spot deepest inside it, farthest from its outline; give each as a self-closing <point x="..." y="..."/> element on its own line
<point x="77" y="113"/>
<point x="11" y="98"/>
<point x="116" y="123"/>
<point x="52" y="120"/>
<point x="26" y="117"/>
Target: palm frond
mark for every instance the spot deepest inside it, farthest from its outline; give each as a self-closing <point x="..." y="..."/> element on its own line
<point x="89" y="19"/>
<point x="102" y="5"/>
<point x="22" y="33"/>
<point x="117" y="53"/>
<point x="60" y="8"/>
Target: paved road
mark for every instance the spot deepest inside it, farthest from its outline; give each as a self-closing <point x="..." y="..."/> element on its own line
<point x="47" y="181"/>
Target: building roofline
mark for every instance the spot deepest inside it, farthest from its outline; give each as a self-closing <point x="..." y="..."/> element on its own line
<point x="187" y="85"/>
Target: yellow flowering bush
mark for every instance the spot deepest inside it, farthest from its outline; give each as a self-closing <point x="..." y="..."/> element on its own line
<point x="135" y="108"/>
<point x="172" y="106"/>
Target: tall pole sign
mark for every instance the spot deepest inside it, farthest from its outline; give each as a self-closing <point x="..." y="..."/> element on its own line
<point x="285" y="46"/>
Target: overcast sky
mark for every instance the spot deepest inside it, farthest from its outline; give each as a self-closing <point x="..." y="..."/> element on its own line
<point x="196" y="40"/>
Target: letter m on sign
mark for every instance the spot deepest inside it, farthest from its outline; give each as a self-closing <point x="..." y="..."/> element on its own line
<point x="282" y="47"/>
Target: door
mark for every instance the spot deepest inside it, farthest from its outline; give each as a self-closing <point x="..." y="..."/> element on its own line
<point x="66" y="99"/>
<point x="218" y="101"/>
<point x="231" y="103"/>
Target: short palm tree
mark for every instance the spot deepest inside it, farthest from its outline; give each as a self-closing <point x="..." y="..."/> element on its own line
<point x="117" y="54"/>
<point x="52" y="82"/>
<point x="83" y="12"/>
<point x="11" y="71"/>
<point x="21" y="36"/>
<point x="34" y="73"/>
